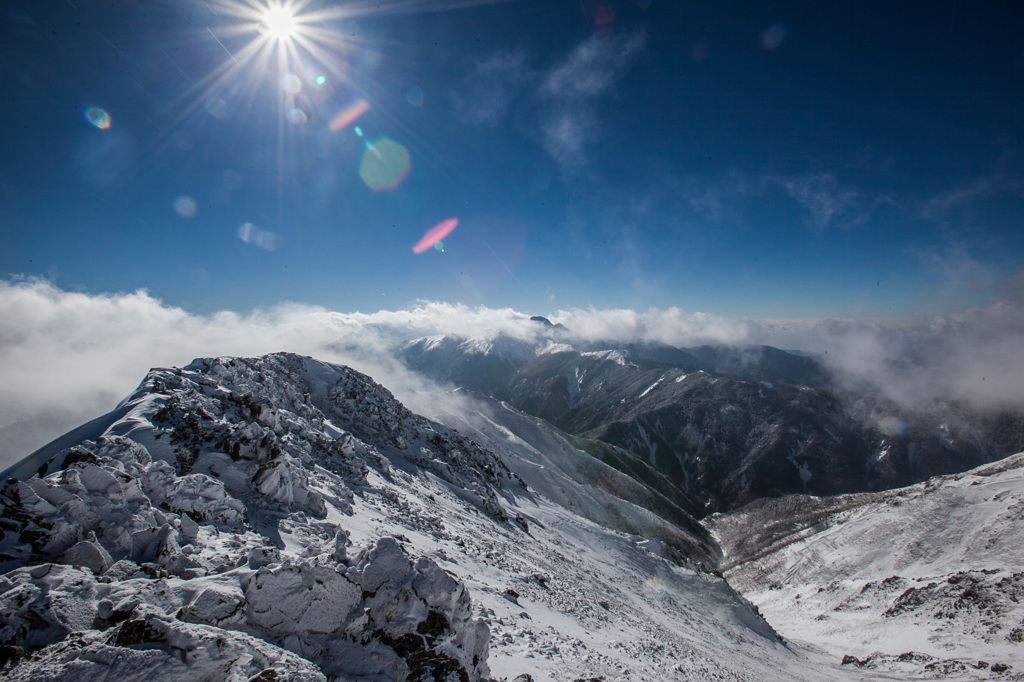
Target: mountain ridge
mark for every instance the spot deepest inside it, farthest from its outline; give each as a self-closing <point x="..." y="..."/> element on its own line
<point x="710" y="420"/>
<point x="278" y="516"/>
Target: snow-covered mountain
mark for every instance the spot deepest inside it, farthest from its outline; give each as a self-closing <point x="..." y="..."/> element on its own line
<point x="925" y="580"/>
<point x="282" y="518"/>
<point x="722" y="427"/>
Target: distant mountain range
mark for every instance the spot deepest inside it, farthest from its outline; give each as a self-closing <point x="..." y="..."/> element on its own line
<point x="721" y="427"/>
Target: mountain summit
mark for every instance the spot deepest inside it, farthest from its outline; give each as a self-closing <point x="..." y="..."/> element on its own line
<point x="283" y="518"/>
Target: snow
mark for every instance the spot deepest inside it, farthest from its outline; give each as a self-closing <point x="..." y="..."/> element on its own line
<point x="651" y="387"/>
<point x="574" y="383"/>
<point x="282" y="516"/>
<point x="550" y="347"/>
<point x="619" y="357"/>
<point x="931" y="569"/>
<point x="652" y="448"/>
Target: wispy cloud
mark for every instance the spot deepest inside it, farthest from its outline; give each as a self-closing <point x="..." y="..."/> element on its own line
<point x="941" y="207"/>
<point x="827" y="202"/>
<point x="562" y="98"/>
<point x="971" y="357"/>
<point x="572" y="88"/>
<point x="958" y="275"/>
<point x="594" y="67"/>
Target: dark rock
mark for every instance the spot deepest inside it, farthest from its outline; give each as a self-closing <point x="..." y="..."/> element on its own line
<point x="11" y="653"/>
<point x="76" y="455"/>
<point x="434" y="626"/>
<point x="134" y="632"/>
<point x="425" y="664"/>
<point x="540" y="579"/>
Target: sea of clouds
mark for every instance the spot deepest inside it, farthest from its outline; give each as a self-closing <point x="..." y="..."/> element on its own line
<point x="66" y="357"/>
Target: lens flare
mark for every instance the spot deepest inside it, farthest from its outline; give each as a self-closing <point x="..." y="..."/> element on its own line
<point x="892" y="426"/>
<point x="656" y="588"/>
<point x="414" y="96"/>
<point x="433" y="236"/>
<point x="348" y="116"/>
<point x="97" y="117"/>
<point x="384" y="165"/>
<point x="773" y="36"/>
<point x="186" y="206"/>
<point x="291" y="84"/>
<point x="217" y="108"/>
<point x="297" y="44"/>
<point x="250" y="234"/>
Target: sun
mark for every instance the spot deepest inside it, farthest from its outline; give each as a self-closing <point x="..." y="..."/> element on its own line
<point x="279" y="23"/>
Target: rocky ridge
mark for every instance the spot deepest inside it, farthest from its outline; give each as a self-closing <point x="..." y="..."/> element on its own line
<point x="281" y="518"/>
<point x="182" y="530"/>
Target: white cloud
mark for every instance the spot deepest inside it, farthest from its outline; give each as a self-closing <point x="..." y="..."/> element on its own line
<point x="66" y="357"/>
<point x="562" y="98"/>
<point x="572" y="87"/>
<point x="972" y="357"/>
<point x="672" y="326"/>
<point x="594" y="67"/>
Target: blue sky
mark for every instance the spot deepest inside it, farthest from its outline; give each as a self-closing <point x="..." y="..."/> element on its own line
<point x="769" y="160"/>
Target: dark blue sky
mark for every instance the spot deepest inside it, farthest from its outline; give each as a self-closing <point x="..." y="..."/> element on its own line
<point x="759" y="159"/>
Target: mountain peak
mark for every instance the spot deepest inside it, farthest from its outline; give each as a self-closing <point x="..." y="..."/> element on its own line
<point x="548" y="324"/>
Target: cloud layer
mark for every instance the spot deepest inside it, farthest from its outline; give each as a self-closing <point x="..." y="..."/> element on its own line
<point x="66" y="357"/>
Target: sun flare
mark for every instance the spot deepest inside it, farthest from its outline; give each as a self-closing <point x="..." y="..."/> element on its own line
<point x="279" y="23"/>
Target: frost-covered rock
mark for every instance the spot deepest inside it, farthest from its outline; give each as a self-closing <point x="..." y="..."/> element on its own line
<point x="281" y="518"/>
<point x="385" y="615"/>
<point x="151" y="645"/>
<point x="203" y="513"/>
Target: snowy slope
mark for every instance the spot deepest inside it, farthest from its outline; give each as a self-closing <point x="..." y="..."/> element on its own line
<point x="278" y="517"/>
<point x="936" y="569"/>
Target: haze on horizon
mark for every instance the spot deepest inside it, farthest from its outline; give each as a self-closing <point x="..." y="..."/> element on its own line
<point x="70" y="356"/>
